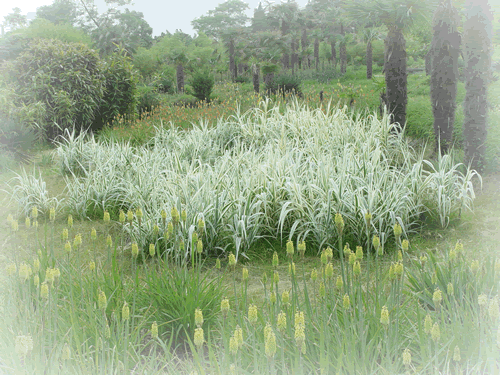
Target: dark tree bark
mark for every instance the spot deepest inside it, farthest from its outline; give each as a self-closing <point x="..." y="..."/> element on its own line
<point x="369" y="60"/>
<point x="316" y="52"/>
<point x="180" y="78"/>
<point x="304" y="43"/>
<point x="294" y="56"/>
<point x="428" y="63"/>
<point x="445" y="50"/>
<point x="232" y="66"/>
<point x="334" y="54"/>
<point x="343" y="52"/>
<point x="477" y="56"/>
<point x="256" y="78"/>
<point x="395" y="76"/>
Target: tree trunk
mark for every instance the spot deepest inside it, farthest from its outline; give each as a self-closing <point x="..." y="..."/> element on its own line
<point x="334" y="54"/>
<point x="343" y="51"/>
<point x="316" y="52"/>
<point x="444" y="73"/>
<point x="294" y="56"/>
<point x="285" y="61"/>
<point x="369" y="60"/>
<point x="395" y="76"/>
<point x="232" y="65"/>
<point x="256" y="80"/>
<point x="477" y="56"/>
<point x="180" y="78"/>
<point x="304" y="44"/>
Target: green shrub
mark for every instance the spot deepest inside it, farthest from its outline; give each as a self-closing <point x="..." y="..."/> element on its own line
<point x="186" y="100"/>
<point x="146" y="61"/>
<point x="67" y="78"/>
<point x="283" y="84"/>
<point x="242" y="79"/>
<point x="147" y="99"/>
<point x="357" y="53"/>
<point x="203" y="84"/>
<point x="120" y="92"/>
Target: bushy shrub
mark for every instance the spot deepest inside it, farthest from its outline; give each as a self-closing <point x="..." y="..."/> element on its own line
<point x="242" y="79"/>
<point x="357" y="53"/>
<point x="165" y="82"/>
<point x="66" y="78"/>
<point x="186" y="100"/>
<point x="146" y="61"/>
<point x="120" y="91"/>
<point x="284" y="84"/>
<point x="147" y="99"/>
<point x="203" y="84"/>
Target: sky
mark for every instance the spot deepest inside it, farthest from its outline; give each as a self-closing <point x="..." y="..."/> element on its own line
<point x="161" y="15"/>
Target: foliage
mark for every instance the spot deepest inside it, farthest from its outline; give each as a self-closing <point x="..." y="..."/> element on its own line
<point x="66" y="78"/>
<point x="59" y="12"/>
<point x="202" y="84"/>
<point x="147" y="99"/>
<point x="284" y="83"/>
<point x="120" y="94"/>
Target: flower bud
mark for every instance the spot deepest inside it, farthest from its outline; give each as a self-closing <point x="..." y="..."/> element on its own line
<point x="106" y="218"/>
<point x="289" y="248"/>
<point x="121" y="217"/>
<point x="154" y="330"/>
<point x="346" y="301"/>
<point x="198" y="317"/>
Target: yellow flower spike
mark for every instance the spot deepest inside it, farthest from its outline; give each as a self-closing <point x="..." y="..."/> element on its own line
<point x="156" y="229"/>
<point x="238" y="335"/>
<point x="435" y="332"/>
<point x="482" y="300"/>
<point x="125" y="312"/>
<point x="224" y="307"/>
<point x="281" y="321"/>
<point x="276" y="277"/>
<point x="170" y="229"/>
<point x="272" y="298"/>
<point x="300" y="338"/>
<point x="368" y="219"/>
<point x="91" y="266"/>
<point x="93" y="234"/>
<point x="321" y="289"/>
<point x="398" y="269"/>
<point x="289" y="248"/>
<point x="36" y="265"/>
<point x="270" y="344"/>
<point x="174" y="214"/>
<point x="232" y="260"/>
<point x="275" y="260"/>
<point x="359" y="253"/>
<point x="324" y="258"/>
<point x="183" y="216"/>
<point x="198" y="317"/>
<point x="64" y="234"/>
<point x="66" y="352"/>
<point x="406" y="357"/>
<point x="314" y="274"/>
<point x="428" y="324"/>
<point x="107" y="330"/>
<point x="154" y="330"/>
<point x="70" y="221"/>
<point x="102" y="301"/>
<point x="400" y="256"/>
<point x="23" y="345"/>
<point x="352" y="258"/>
<point x="77" y="241"/>
<point x="139" y="215"/>
<point x="36" y="281"/>
<point x="301" y="248"/>
<point x="456" y="354"/>
<point x="217" y="264"/>
<point x="459" y="247"/>
<point x="252" y="314"/>
<point x="405" y="245"/>
<point x="356" y="269"/>
<point x="44" y="290"/>
<point x="27" y="222"/>
<point x="329" y="253"/>
<point x="14" y="226"/>
<point x="52" y="214"/>
<point x="130" y="216"/>
<point x="493" y="309"/>
<point x="397" y="230"/>
<point x="437" y="297"/>
<point x="121" y="217"/>
<point x="109" y="241"/>
<point x="384" y="316"/>
<point x="376" y="243"/>
<point x="152" y="250"/>
<point x="67" y="247"/>
<point x="199" y="338"/>
<point x="346" y="302"/>
<point x="267" y="330"/>
<point x="199" y="246"/>
<point x="347" y="250"/>
<point x="452" y="255"/>
<point x="449" y="289"/>
<point x="201" y="225"/>
<point x="339" y="222"/>
<point x="135" y="250"/>
<point x="291" y="269"/>
<point x="285" y="297"/>
<point x="329" y="271"/>
<point x="244" y="274"/>
<point x="194" y="238"/>
<point x="233" y="345"/>
<point x="11" y="269"/>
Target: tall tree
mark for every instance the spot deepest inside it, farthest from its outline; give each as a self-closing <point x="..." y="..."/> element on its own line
<point x="15" y="19"/>
<point x="477" y="56"/>
<point x="445" y="50"/>
<point x="397" y="16"/>
<point x="259" y="21"/>
<point x="224" y="23"/>
<point x="59" y="12"/>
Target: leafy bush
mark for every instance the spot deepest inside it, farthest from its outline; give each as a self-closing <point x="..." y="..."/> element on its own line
<point x="120" y="92"/>
<point x="242" y="79"/>
<point x="186" y="100"/>
<point x="146" y="61"/>
<point x="357" y="53"/>
<point x="284" y="84"/>
<point x="147" y="99"/>
<point x="66" y="78"/>
<point x="203" y="84"/>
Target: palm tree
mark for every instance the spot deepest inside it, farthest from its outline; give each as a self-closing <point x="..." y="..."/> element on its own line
<point x="444" y="51"/>
<point x="397" y="16"/>
<point x="369" y="36"/>
<point x="477" y="56"/>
